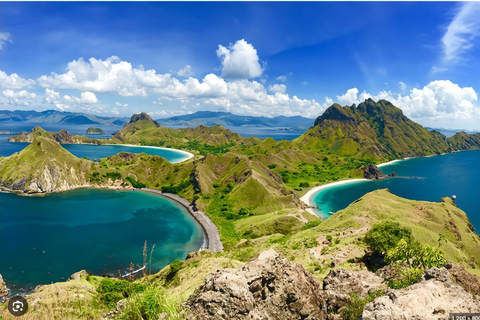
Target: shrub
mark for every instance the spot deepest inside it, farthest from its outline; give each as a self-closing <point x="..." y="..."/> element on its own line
<point x="135" y="183"/>
<point x="304" y="185"/>
<point x="385" y="236"/>
<point x="272" y="166"/>
<point x="411" y="276"/>
<point x="112" y="290"/>
<point x="311" y="225"/>
<point x="416" y="255"/>
<point x="175" y="266"/>
<point x="354" y="310"/>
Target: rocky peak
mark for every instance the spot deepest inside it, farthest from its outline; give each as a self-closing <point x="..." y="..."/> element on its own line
<point x="270" y="287"/>
<point x="143" y="116"/>
<point x="63" y="136"/>
<point x="334" y="112"/>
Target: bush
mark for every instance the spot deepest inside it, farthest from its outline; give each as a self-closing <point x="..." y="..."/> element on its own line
<point x="311" y="225"/>
<point x="411" y="276"/>
<point x="272" y="166"/>
<point x="354" y="310"/>
<point x="304" y="185"/>
<point x="112" y="290"/>
<point x="385" y="236"/>
<point x="175" y="266"/>
<point x="135" y="183"/>
<point x="416" y="255"/>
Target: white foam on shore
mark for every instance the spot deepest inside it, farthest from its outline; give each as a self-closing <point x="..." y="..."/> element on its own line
<point x="187" y="154"/>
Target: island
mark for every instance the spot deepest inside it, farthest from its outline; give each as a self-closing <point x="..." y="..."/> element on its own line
<point x="267" y="257"/>
<point x="93" y="130"/>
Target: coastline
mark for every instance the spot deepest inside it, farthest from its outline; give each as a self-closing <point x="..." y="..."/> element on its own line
<point x="186" y="153"/>
<point x="306" y="197"/>
<point x="211" y="235"/>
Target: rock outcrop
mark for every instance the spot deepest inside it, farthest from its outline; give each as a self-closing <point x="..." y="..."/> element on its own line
<point x="371" y="171"/>
<point x="3" y="288"/>
<point x="434" y="297"/>
<point x="339" y="284"/>
<point x="270" y="287"/>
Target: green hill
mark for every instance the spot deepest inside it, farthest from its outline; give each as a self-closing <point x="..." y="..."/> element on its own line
<point x="375" y="131"/>
<point x="43" y="166"/>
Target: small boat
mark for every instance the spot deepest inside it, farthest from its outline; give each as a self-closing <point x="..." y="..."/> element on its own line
<point x="454" y="197"/>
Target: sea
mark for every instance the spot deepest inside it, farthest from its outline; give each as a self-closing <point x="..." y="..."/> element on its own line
<point x="428" y="178"/>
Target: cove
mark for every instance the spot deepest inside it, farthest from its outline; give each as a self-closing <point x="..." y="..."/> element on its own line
<point x="429" y="179"/>
<point x="46" y="239"/>
<point x="93" y="152"/>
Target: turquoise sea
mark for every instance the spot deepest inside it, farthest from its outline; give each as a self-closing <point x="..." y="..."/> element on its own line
<point x="429" y="179"/>
<point x="46" y="239"/>
<point x="94" y="151"/>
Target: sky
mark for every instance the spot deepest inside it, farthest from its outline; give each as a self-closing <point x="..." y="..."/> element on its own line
<point x="248" y="58"/>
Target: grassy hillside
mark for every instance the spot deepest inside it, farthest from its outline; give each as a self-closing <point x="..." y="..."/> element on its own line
<point x="372" y="131"/>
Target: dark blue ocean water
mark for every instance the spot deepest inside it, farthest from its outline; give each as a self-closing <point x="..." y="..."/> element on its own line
<point x="46" y="239"/>
<point x="427" y="179"/>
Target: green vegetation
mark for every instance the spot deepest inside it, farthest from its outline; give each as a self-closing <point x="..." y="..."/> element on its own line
<point x="385" y="236"/>
<point x="135" y="183"/>
<point x="354" y="310"/>
<point x="112" y="290"/>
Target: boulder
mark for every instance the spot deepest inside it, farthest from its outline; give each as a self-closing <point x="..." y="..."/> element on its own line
<point x="78" y="275"/>
<point x="467" y="281"/>
<point x="371" y="171"/>
<point x="3" y="288"/>
<point x="339" y="284"/>
<point x="270" y="287"/>
<point x="434" y="297"/>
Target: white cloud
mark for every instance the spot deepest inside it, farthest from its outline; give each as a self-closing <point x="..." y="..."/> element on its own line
<point x="51" y="96"/>
<point x="403" y="85"/>
<point x="284" y="77"/>
<point x="277" y="88"/>
<point x="440" y="101"/>
<point x="88" y="97"/>
<point x="461" y="32"/>
<point x="14" y="81"/>
<point x="110" y="75"/>
<point x="4" y="38"/>
<point x="186" y="72"/>
<point x="239" y="61"/>
<point x="18" y="94"/>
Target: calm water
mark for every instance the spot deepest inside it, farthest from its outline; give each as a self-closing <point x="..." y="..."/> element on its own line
<point x="420" y="179"/>
<point x="93" y="151"/>
<point x="46" y="239"/>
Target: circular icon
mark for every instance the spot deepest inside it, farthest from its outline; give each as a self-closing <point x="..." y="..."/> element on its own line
<point x="17" y="305"/>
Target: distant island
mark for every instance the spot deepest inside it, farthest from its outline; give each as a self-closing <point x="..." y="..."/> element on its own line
<point x="5" y="132"/>
<point x="93" y="130"/>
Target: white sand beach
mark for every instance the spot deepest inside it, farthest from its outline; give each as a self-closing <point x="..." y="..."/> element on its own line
<point x="187" y="154"/>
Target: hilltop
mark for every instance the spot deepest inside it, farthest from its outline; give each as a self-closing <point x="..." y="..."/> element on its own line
<point x="379" y="131"/>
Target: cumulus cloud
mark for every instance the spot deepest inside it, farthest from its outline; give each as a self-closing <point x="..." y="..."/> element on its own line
<point x="186" y="72"/>
<point x="461" y="32"/>
<point x="14" y="81"/>
<point x="4" y="38"/>
<point x="277" y="88"/>
<point x="85" y="98"/>
<point x="403" y="85"/>
<point x="440" y="100"/>
<point x="23" y="94"/>
<point x="239" y="61"/>
<point x="110" y="75"/>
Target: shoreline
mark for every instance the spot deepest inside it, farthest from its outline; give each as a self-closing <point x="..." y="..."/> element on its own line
<point x="186" y="153"/>
<point x="211" y="235"/>
<point x="307" y="196"/>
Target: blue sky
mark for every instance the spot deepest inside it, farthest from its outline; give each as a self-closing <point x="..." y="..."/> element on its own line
<point x="246" y="58"/>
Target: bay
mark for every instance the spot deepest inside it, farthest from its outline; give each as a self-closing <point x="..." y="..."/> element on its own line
<point x="429" y="179"/>
<point x="46" y="239"/>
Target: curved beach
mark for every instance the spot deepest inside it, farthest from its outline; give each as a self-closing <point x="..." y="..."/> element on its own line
<point x="211" y="239"/>
<point x="310" y="193"/>
<point x="187" y="154"/>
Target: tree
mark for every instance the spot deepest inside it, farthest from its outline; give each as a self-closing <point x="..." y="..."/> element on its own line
<point x="386" y="235"/>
